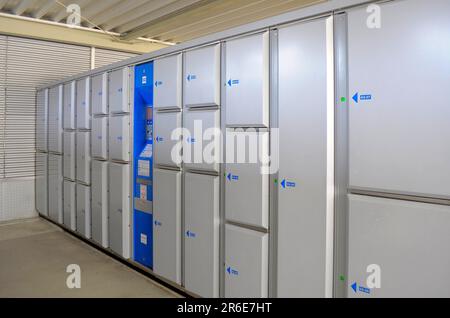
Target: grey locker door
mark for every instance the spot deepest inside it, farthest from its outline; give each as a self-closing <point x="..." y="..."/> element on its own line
<point x="100" y="202"/>
<point x="201" y="237"/>
<point x="55" y="187"/>
<point x="306" y="150"/>
<point x="167" y="224"/>
<point x="42" y="120"/>
<point x="118" y="93"/>
<point x="83" y="100"/>
<point x="84" y="157"/>
<point x="41" y="183"/>
<point x="84" y="210"/>
<point x="55" y="118"/>
<point x="69" y="105"/>
<point x="99" y="95"/>
<point x="202" y="77"/>
<point x="246" y="263"/>
<point x="247" y="184"/>
<point x="70" y="207"/>
<point x="165" y="124"/>
<point x="168" y="82"/>
<point x="69" y="155"/>
<point x="100" y="137"/>
<point x="247" y="86"/>
<point x="119" y="208"/>
<point x="399" y="113"/>
<point x="201" y="145"/>
<point x="119" y="138"/>
<point x="407" y="240"/>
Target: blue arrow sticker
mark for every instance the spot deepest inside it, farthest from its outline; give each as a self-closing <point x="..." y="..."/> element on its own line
<point x="157" y="223"/>
<point x="355" y="287"/>
<point x="190" y="140"/>
<point x="232" y="82"/>
<point x="288" y="184"/>
<point x="158" y="83"/>
<point x="361" y="97"/>
<point x="232" y="177"/>
<point x="360" y="288"/>
<point x="191" y="77"/>
<point x="232" y="271"/>
<point x="191" y="234"/>
<point x="159" y="139"/>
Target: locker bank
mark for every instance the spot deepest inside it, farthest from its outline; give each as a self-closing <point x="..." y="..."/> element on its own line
<point x="352" y="117"/>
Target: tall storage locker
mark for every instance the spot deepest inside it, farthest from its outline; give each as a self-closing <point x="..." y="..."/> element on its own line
<point x="403" y="238"/>
<point x="41" y="183"/>
<point x="84" y="157"/>
<point x="164" y="125"/>
<point x="202" y="77"/>
<point x="69" y="155"/>
<point x="55" y="119"/>
<point x="84" y="210"/>
<point x="100" y="202"/>
<point x="119" y="208"/>
<point x="168" y="82"/>
<point x="119" y="100"/>
<point x="99" y="95"/>
<point x="201" y="237"/>
<point x="167" y="224"/>
<point x="247" y="184"/>
<point x="202" y="139"/>
<point x="399" y="118"/>
<point x="70" y="205"/>
<point x="247" y="87"/>
<point x="100" y="137"/>
<point x="83" y="103"/>
<point x="246" y="263"/>
<point x="55" y="187"/>
<point x="42" y="120"/>
<point x="306" y="150"/>
<point x="119" y="138"/>
<point x="69" y="105"/>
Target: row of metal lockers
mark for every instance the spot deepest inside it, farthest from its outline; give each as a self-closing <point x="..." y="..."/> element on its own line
<point x="339" y="96"/>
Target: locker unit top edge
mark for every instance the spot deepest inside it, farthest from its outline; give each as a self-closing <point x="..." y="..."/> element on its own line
<point x="320" y="9"/>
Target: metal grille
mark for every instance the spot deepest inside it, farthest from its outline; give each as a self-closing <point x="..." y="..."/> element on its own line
<point x="29" y="63"/>
<point x="105" y="57"/>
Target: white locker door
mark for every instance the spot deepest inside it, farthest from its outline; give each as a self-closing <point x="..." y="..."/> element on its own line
<point x="168" y="82"/>
<point x="100" y="202"/>
<point x="201" y="237"/>
<point x="100" y="137"/>
<point x="42" y="120"/>
<point x="84" y="157"/>
<point x="306" y="150"/>
<point x="69" y="155"/>
<point x="246" y="263"/>
<point x="84" y="210"/>
<point x="167" y="224"/>
<point x="119" y="138"/>
<point x="55" y="187"/>
<point x="164" y="125"/>
<point x="42" y="183"/>
<point x="119" y="91"/>
<point x="99" y="96"/>
<point x="70" y="212"/>
<point x="399" y="116"/>
<point x="247" y="184"/>
<point x="247" y="86"/>
<point x="202" y="77"/>
<point x="55" y="117"/>
<point x="201" y="144"/>
<point x="69" y="105"/>
<point x="83" y="94"/>
<point x="119" y="204"/>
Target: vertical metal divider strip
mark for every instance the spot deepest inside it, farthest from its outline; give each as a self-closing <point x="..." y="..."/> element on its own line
<point x="222" y="171"/>
<point x="273" y="148"/>
<point x="341" y="156"/>
<point x="183" y="66"/>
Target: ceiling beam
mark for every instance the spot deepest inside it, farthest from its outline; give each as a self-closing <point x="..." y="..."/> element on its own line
<point x="159" y="15"/>
<point x="121" y="9"/>
<point x="22" y="6"/>
<point x="43" y="10"/>
<point x="133" y="16"/>
<point x="58" y="32"/>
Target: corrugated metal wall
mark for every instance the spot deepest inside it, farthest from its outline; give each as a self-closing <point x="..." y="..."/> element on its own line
<point x="26" y="64"/>
<point x="106" y="57"/>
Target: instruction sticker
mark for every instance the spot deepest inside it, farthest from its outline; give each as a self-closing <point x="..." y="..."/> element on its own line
<point x="143" y="191"/>
<point x="144" y="168"/>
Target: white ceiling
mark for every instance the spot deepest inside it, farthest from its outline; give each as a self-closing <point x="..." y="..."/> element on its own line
<point x="163" y="20"/>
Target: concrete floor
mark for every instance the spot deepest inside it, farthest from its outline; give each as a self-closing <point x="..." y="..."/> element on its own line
<point x="34" y="255"/>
